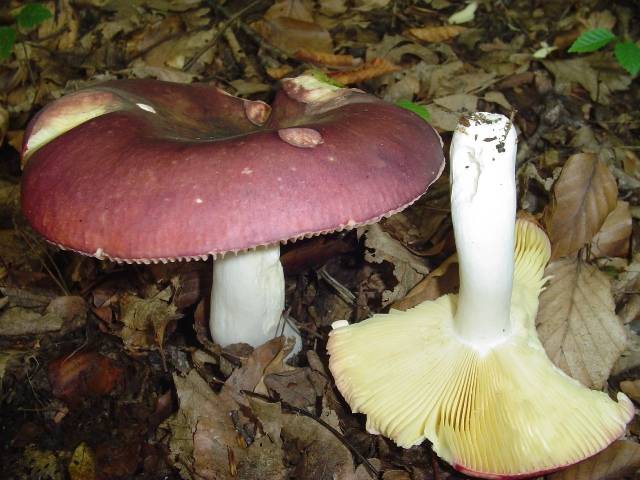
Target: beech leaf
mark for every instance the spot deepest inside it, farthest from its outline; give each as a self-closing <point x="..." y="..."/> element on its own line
<point x="577" y="323"/>
<point x="583" y="196"/>
<point x="613" y="238"/>
<point x="592" y="40"/>
<point x="620" y="459"/>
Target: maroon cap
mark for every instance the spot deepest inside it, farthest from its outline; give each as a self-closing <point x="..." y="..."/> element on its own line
<point x="158" y="171"/>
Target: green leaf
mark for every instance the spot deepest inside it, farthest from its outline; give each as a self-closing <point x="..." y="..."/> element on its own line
<point x="32" y="15"/>
<point x="416" y="108"/>
<point x="323" y="77"/>
<point x="591" y="40"/>
<point x="7" y="39"/>
<point x="628" y="55"/>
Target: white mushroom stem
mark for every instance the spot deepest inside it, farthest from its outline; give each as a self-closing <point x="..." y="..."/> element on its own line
<point x="483" y="207"/>
<point x="247" y="298"/>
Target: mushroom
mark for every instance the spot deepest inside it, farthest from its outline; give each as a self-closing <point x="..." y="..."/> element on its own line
<point x="467" y="371"/>
<point x="144" y="171"/>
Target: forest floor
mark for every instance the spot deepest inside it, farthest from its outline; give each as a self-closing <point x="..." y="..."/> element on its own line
<point x="107" y="371"/>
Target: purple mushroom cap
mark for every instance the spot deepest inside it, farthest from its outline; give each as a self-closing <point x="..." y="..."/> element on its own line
<point x="169" y="171"/>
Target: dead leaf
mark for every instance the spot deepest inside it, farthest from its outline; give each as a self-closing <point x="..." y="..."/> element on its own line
<point x="317" y="453"/>
<point x="436" y="34"/>
<point x="613" y="238"/>
<point x="577" y="323"/>
<point x="36" y="463"/>
<point x="632" y="389"/>
<point x="82" y="465"/>
<point x="498" y="98"/>
<point x="596" y="73"/>
<point x="204" y="442"/>
<point x="62" y="29"/>
<point x="324" y="456"/>
<point x="290" y="34"/>
<point x="62" y="315"/>
<point x="279" y="72"/>
<point x="620" y="459"/>
<point x="367" y="71"/>
<point x="145" y="321"/>
<point x="117" y="459"/>
<point x="440" y="281"/>
<point x="460" y="103"/>
<point x="82" y="375"/>
<point x="329" y="59"/>
<point x="199" y="403"/>
<point x="267" y="358"/>
<point x="583" y="196"/>
<point x="408" y="268"/>
<point x="299" y="388"/>
<point x="289" y="8"/>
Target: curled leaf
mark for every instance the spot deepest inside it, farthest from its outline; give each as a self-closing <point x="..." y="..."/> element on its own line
<point x="324" y="58"/>
<point x="613" y="238"/>
<point x="583" y="196"/>
<point x="436" y="34"/>
<point x="367" y="71"/>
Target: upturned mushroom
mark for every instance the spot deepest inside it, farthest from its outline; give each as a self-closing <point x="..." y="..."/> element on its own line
<point x="144" y="171"/>
<point x="467" y="371"/>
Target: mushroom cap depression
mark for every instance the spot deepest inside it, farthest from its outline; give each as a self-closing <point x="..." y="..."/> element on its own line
<point x="145" y="170"/>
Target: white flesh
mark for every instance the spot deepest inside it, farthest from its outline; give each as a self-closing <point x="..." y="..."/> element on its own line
<point x="247" y="298"/>
<point x="483" y="207"/>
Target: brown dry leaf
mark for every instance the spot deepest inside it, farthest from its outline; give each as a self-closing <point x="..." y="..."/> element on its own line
<point x="299" y="388"/>
<point x="204" y="442"/>
<point x="324" y="457"/>
<point x="583" y="196"/>
<point x="267" y="358"/>
<point x="436" y="34"/>
<point x="319" y="454"/>
<point x="602" y="19"/>
<point x="596" y="73"/>
<point x="83" y="375"/>
<point x="367" y="71"/>
<point x="408" y="268"/>
<point x="459" y="103"/>
<point x="620" y="459"/>
<point x="329" y="59"/>
<point x="291" y="35"/>
<point x="613" y="238"/>
<point x="632" y="389"/>
<point x="631" y="163"/>
<point x="34" y="463"/>
<point x="279" y="72"/>
<point x="62" y="28"/>
<point x="440" y="281"/>
<point x="145" y="321"/>
<point x="289" y="8"/>
<point x="62" y="315"/>
<point x="153" y="34"/>
<point x="577" y="323"/>
<point x="82" y="465"/>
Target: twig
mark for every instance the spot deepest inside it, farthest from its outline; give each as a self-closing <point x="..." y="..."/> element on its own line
<point x="221" y="30"/>
<point x="373" y="471"/>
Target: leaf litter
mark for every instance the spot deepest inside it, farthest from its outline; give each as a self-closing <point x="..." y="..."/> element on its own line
<point x="107" y="371"/>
